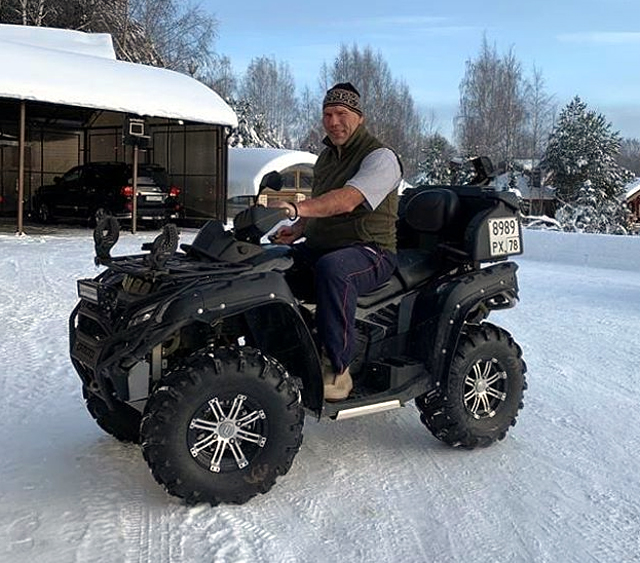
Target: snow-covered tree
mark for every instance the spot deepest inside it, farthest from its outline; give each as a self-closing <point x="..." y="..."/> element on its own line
<point x="582" y="147"/>
<point x="253" y="130"/>
<point x="581" y="154"/>
<point x="173" y="34"/>
<point x="594" y="211"/>
<point x="435" y="166"/>
<point x="629" y="156"/>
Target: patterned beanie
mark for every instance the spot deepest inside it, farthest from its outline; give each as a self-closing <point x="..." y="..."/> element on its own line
<point x="343" y="94"/>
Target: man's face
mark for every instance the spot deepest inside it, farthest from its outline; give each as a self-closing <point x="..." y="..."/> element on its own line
<point x="340" y="123"/>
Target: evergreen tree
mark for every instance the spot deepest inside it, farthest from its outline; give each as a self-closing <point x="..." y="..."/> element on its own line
<point x="582" y="147"/>
<point x="581" y="154"/>
<point x="595" y="212"/>
<point x="435" y="166"/>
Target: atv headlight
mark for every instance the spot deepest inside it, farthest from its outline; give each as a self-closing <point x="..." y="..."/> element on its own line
<point x="88" y="289"/>
<point x="143" y="315"/>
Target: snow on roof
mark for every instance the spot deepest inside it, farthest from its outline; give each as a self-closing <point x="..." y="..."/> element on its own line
<point x="632" y="188"/>
<point x="94" y="44"/>
<point x="247" y="166"/>
<point x="79" y="69"/>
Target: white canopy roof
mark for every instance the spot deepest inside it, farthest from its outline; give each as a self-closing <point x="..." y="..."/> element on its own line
<point x="247" y="166"/>
<point x="79" y="69"/>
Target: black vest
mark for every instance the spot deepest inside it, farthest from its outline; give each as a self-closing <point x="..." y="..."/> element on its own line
<point x="362" y="225"/>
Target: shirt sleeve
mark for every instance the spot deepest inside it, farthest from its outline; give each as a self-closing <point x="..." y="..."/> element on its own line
<point x="378" y="176"/>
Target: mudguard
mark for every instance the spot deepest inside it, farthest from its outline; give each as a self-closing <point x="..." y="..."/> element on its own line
<point x="439" y="316"/>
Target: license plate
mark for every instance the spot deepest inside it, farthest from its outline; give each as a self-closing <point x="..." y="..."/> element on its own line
<point x="504" y="236"/>
<point x="153" y="198"/>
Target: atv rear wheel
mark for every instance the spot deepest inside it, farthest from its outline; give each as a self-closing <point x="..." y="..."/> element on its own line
<point x="479" y="401"/>
<point x="122" y="423"/>
<point x="223" y="428"/>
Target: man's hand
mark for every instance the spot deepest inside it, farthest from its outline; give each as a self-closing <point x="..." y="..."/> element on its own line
<point x="290" y="209"/>
<point x="287" y="234"/>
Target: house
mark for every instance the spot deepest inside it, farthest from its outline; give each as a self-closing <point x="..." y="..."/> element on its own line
<point x="633" y="198"/>
<point x="537" y="199"/>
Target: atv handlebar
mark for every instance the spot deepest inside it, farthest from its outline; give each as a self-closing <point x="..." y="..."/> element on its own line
<point x="253" y="223"/>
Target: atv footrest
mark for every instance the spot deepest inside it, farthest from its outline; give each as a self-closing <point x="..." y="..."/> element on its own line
<point x="393" y="373"/>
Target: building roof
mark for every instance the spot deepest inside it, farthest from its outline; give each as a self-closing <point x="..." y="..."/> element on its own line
<point x="632" y="189"/>
<point x="247" y="166"/>
<point x="80" y="69"/>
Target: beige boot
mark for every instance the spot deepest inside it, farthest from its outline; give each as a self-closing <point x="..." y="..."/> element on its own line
<point x="338" y="388"/>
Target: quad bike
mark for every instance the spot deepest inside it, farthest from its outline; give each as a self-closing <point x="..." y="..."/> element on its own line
<point x="206" y="357"/>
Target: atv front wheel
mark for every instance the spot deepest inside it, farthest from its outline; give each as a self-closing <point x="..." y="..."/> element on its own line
<point x="223" y="428"/>
<point x="123" y="422"/>
<point x="479" y="401"/>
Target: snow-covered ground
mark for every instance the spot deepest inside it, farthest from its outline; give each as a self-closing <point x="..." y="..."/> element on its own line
<point x="563" y="486"/>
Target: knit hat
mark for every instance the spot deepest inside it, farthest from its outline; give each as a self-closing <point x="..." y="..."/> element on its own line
<point x="343" y="94"/>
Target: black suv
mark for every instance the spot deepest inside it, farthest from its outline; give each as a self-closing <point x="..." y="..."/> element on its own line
<point x="108" y="186"/>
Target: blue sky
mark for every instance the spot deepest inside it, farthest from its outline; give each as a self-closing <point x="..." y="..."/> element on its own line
<point x="589" y="48"/>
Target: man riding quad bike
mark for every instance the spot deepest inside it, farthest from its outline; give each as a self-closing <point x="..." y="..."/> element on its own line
<point x="207" y="358"/>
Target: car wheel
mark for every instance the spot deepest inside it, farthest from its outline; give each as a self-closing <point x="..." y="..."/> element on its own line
<point x="123" y="422"/>
<point x="480" y="399"/>
<point x="223" y="428"/>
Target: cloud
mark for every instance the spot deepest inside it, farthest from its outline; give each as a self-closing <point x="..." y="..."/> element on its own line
<point x="601" y="37"/>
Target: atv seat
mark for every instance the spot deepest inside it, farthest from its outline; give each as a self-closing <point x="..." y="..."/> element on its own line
<point x="427" y="215"/>
<point x="414" y="266"/>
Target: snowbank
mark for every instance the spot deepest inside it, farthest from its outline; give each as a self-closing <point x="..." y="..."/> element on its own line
<point x="596" y="251"/>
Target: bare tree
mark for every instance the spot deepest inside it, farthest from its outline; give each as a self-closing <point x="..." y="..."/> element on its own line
<point x="540" y="115"/>
<point x="269" y="88"/>
<point x="629" y="156"/>
<point x="221" y="78"/>
<point x="492" y="111"/>
<point x="310" y="121"/>
<point x="388" y="105"/>
<point x="169" y="33"/>
<point x="181" y="32"/>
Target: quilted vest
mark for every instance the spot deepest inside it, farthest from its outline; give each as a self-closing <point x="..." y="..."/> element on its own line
<point x="362" y="225"/>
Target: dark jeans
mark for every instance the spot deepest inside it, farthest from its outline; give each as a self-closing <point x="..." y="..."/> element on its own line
<point x="339" y="277"/>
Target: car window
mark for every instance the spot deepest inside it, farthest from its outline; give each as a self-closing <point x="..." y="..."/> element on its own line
<point x="72" y="175"/>
<point x="156" y="173"/>
<point x="110" y="175"/>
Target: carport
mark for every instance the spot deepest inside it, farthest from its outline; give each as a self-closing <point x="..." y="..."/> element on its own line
<point x="65" y="100"/>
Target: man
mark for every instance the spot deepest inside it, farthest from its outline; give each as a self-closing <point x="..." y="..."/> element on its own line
<point x="349" y="226"/>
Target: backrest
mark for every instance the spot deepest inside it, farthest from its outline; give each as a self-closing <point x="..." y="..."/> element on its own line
<point x="431" y="211"/>
<point x="426" y="216"/>
<point x="480" y="223"/>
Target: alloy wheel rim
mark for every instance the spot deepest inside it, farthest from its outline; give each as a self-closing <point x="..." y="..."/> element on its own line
<point x="485" y="388"/>
<point x="226" y="435"/>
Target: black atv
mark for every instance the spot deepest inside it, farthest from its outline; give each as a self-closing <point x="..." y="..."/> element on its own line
<point x="206" y="357"/>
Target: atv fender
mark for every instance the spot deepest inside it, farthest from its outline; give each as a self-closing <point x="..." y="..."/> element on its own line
<point x="273" y="316"/>
<point x="468" y="298"/>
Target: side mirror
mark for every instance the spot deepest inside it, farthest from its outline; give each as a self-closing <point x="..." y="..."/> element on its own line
<point x="56" y="179"/>
<point x="272" y="180"/>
